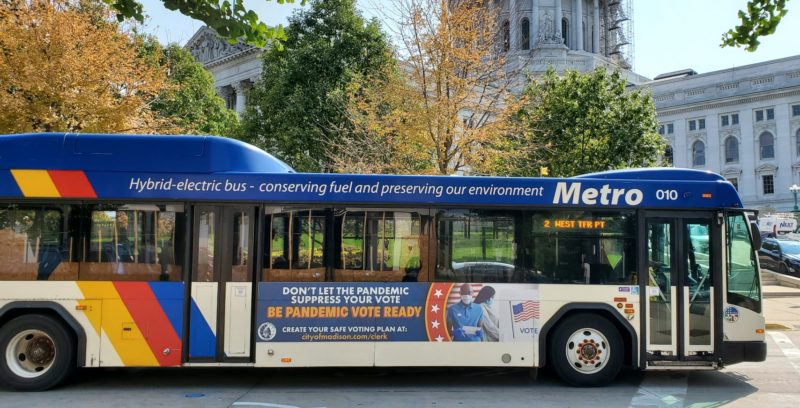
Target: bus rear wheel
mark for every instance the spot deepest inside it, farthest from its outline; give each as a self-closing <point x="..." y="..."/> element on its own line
<point x="37" y="353"/>
<point x="586" y="350"/>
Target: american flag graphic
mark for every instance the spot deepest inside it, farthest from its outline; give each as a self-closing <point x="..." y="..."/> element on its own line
<point x="525" y="311"/>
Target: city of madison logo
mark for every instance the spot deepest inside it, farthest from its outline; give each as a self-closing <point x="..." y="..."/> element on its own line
<point x="731" y="314"/>
<point x="267" y="331"/>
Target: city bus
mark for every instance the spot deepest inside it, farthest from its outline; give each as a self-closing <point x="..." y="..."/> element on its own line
<point x="199" y="251"/>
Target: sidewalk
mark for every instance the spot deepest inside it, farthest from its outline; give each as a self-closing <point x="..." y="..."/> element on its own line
<point x="776" y="291"/>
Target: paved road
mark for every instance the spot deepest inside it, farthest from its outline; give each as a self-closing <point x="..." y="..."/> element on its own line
<point x="774" y="383"/>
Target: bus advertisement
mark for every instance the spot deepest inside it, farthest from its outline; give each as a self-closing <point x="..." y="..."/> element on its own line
<point x="197" y="251"/>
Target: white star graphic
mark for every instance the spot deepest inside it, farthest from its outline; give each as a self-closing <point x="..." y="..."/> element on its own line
<point x="435" y="324"/>
<point x="439" y="338"/>
<point x="434" y="309"/>
<point x="438" y="293"/>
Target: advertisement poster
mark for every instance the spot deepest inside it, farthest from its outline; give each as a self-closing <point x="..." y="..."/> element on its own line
<point x="318" y="312"/>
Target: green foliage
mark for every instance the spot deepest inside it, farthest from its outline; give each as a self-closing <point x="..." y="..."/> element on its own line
<point x="231" y="19"/>
<point x="760" y="19"/>
<point x="189" y="100"/>
<point x="297" y="110"/>
<point x="581" y="123"/>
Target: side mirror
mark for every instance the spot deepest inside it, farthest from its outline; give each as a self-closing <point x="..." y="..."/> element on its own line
<point x="755" y="235"/>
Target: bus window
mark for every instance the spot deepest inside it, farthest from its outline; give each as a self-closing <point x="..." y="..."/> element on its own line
<point x="384" y="246"/>
<point x="476" y="246"/>
<point x="743" y="285"/>
<point x="36" y="243"/>
<point x="134" y="242"/>
<point x="581" y="247"/>
<point x="296" y="251"/>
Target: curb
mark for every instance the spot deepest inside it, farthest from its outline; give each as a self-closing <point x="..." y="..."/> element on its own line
<point x="771" y="295"/>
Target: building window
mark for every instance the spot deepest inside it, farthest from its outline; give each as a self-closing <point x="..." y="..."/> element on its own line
<point x="797" y="141"/>
<point x="795" y="110"/>
<point x="765" y="114"/>
<point x="698" y="154"/>
<point x="666" y="129"/>
<point x="526" y="34"/>
<point x="697" y="124"/>
<point x="506" y="34"/>
<point x="731" y="150"/>
<point x="668" y="156"/>
<point x="768" y="184"/>
<point x="731" y="119"/>
<point x="670" y="128"/>
<point x="766" y="144"/>
<point x="565" y="30"/>
<point x="735" y="182"/>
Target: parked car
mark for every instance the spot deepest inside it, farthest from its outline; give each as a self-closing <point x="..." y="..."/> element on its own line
<point x="780" y="256"/>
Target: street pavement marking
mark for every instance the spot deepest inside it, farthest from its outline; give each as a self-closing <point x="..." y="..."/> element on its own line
<point x="787" y="347"/>
<point x="662" y="389"/>
<point x="264" y="404"/>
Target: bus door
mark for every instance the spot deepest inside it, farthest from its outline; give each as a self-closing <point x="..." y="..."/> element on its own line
<point x="220" y="317"/>
<point x="680" y="277"/>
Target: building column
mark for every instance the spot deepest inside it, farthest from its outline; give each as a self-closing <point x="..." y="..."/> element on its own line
<point x="596" y="26"/>
<point x="513" y="26"/>
<point x="241" y="88"/>
<point x="534" y="19"/>
<point x="578" y="25"/>
<point x="557" y="21"/>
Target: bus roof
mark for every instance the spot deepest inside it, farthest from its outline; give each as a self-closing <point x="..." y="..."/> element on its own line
<point x="135" y="153"/>
<point x="207" y="168"/>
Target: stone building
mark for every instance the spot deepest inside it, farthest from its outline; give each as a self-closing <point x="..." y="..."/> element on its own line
<point x="235" y="67"/>
<point x="743" y="123"/>
<point x="568" y="34"/>
<point x="536" y="34"/>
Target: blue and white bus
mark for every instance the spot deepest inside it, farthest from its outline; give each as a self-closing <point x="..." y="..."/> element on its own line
<point x="120" y="250"/>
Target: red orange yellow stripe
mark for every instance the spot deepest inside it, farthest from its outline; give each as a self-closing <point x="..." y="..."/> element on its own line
<point x="53" y="183"/>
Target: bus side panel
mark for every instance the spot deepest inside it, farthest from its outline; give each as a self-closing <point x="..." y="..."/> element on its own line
<point x="625" y="299"/>
<point x="140" y="324"/>
<point x="323" y="354"/>
<point x="454" y="354"/>
<point x="68" y="296"/>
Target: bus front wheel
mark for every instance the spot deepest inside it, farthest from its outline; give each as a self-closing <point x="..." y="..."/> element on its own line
<point x="38" y="353"/>
<point x="586" y="350"/>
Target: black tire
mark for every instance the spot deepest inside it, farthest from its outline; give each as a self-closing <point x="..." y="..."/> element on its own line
<point x="782" y="269"/>
<point x="603" y="343"/>
<point x="36" y="353"/>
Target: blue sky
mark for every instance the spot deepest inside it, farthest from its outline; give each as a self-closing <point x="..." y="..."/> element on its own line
<point x="669" y="34"/>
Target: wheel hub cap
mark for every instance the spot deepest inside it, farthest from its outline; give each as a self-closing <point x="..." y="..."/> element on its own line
<point x="587" y="351"/>
<point x="40" y="350"/>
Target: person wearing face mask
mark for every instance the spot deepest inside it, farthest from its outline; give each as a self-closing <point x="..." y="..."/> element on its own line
<point x="490" y="322"/>
<point x="464" y="317"/>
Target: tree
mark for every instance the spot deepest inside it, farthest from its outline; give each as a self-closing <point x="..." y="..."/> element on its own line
<point x="580" y="123"/>
<point x="296" y="111"/>
<point x="64" y="67"/>
<point x="448" y="100"/>
<point x="191" y="102"/>
<point x="231" y="19"/>
<point x="760" y="19"/>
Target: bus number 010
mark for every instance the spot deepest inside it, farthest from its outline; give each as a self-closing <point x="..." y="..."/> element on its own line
<point x="671" y="195"/>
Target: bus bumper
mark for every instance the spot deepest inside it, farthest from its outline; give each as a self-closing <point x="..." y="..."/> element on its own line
<point x="739" y="351"/>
